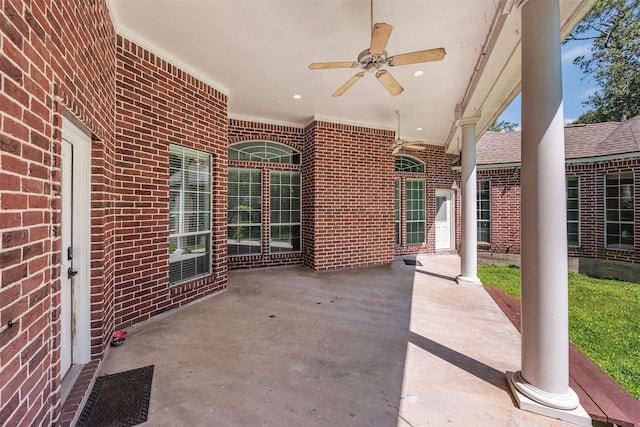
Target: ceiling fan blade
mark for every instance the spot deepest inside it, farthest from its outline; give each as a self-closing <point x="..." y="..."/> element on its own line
<point x="416" y="57"/>
<point x="353" y="80"/>
<point x="327" y="65"/>
<point x="379" y="38"/>
<point x="389" y="83"/>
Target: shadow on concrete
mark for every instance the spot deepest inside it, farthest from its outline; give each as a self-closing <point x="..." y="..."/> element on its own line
<point x="439" y="276"/>
<point x="474" y="367"/>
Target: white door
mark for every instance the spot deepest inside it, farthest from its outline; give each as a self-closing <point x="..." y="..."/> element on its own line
<point x="66" y="280"/>
<point x="75" y="247"/>
<point x="444" y="222"/>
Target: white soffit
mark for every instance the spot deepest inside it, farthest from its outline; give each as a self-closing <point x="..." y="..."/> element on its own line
<point x="257" y="52"/>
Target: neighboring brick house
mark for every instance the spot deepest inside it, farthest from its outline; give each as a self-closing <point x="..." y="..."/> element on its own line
<point x="603" y="197"/>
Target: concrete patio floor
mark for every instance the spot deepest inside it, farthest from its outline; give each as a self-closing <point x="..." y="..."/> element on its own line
<point x="393" y="345"/>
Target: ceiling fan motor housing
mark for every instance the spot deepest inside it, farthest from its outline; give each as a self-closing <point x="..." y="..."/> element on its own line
<point x="370" y="61"/>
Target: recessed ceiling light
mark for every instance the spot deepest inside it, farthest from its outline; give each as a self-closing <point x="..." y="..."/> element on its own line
<point x="296" y="96"/>
<point x="418" y="128"/>
<point x="418" y="73"/>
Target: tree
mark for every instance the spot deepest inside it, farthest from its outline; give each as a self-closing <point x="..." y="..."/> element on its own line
<point x="502" y="126"/>
<point x="614" y="28"/>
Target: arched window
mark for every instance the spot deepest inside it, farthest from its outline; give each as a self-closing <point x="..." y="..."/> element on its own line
<point x="252" y="190"/>
<point x="264" y="152"/>
<point x="409" y="164"/>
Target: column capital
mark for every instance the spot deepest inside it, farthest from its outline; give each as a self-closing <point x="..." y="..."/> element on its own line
<point x="467" y="121"/>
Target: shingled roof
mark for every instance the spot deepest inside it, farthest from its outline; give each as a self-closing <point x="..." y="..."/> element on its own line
<point x="581" y="142"/>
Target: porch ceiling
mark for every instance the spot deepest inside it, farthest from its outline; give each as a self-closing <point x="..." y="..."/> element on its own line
<point x="257" y="52"/>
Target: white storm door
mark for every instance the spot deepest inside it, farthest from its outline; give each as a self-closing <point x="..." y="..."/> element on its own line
<point x="66" y="217"/>
<point x="444" y="214"/>
<point x="75" y="247"/>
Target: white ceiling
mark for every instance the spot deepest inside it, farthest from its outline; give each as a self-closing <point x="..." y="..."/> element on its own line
<point x="258" y="51"/>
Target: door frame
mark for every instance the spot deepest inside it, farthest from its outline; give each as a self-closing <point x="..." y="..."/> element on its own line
<point x="80" y="139"/>
<point x="450" y="194"/>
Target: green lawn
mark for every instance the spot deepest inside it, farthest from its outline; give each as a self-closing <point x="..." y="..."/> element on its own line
<point x="604" y="320"/>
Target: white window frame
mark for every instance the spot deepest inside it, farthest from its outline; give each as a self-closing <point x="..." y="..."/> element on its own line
<point x="250" y="225"/>
<point x="398" y="211"/>
<point x="183" y="255"/>
<point x="479" y="202"/>
<point x="571" y="221"/>
<point x="424" y="211"/>
<point x="291" y="210"/>
<point x="607" y="222"/>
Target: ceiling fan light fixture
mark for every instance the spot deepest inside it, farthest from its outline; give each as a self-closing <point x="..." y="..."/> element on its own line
<point x="371" y="62"/>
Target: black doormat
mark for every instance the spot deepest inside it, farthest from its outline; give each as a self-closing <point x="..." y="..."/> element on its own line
<point x="120" y="399"/>
<point x="409" y="261"/>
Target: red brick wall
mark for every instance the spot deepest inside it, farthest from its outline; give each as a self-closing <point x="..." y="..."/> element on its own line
<point x="309" y="195"/>
<point x="158" y="105"/>
<point x="592" y="217"/>
<point x="348" y="186"/>
<point x="49" y="62"/>
<point x="243" y="130"/>
<point x="505" y="209"/>
<point x="438" y="175"/>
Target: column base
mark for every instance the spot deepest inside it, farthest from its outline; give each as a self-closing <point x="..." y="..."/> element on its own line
<point x="528" y="399"/>
<point x="466" y="280"/>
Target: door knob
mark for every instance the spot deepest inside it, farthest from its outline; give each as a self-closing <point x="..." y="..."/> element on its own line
<point x="71" y="273"/>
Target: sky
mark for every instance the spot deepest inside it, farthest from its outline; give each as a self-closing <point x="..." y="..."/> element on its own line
<point x="576" y="86"/>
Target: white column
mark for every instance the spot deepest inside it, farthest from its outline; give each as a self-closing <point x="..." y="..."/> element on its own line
<point x="469" y="216"/>
<point x="542" y="385"/>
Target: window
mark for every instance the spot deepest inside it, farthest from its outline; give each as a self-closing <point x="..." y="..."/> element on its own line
<point x="264" y="151"/>
<point x="284" y="191"/>
<point x="573" y="211"/>
<point x="415" y="209"/>
<point x="619" y="211"/>
<point x="409" y="164"/>
<point x="189" y="214"/>
<point x="244" y="212"/>
<point x="397" y="211"/>
<point x="484" y="211"/>
<point x="279" y="222"/>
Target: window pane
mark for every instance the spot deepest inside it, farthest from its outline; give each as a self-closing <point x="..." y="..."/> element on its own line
<point x="415" y="206"/>
<point x="483" y="201"/>
<point x="189" y="214"/>
<point x="409" y="164"/>
<point x="264" y="151"/>
<point x="620" y="211"/>
<point x="244" y="212"/>
<point x="285" y="212"/>
<point x="626" y="234"/>
<point x="397" y="211"/>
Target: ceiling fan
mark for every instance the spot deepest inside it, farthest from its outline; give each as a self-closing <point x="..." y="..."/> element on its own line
<point x="398" y="143"/>
<point x="370" y="60"/>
